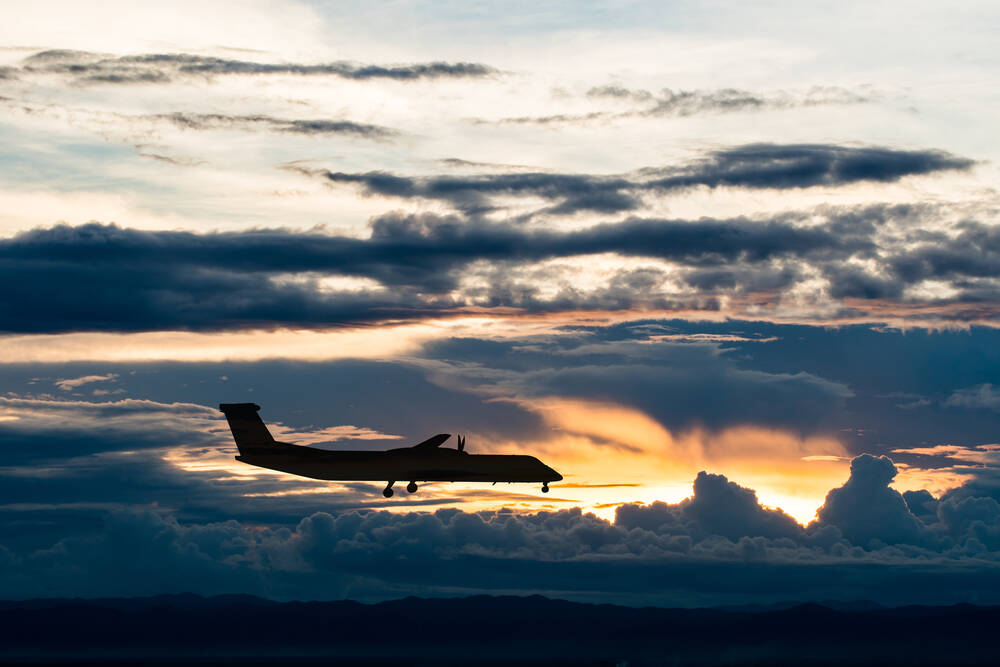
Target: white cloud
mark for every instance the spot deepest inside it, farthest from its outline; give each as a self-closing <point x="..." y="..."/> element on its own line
<point x="72" y="383"/>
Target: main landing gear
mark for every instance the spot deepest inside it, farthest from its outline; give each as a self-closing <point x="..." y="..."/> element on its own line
<point x="411" y="487"/>
<point x="387" y="492"/>
<point x="545" y="487"/>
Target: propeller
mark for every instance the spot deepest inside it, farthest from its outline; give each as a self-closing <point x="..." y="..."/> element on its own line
<point x="461" y="443"/>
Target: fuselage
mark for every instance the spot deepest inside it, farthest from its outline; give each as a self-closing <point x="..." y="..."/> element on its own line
<point x="417" y="465"/>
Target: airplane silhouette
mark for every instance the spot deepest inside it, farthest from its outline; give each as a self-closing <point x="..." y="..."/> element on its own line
<point x="425" y="462"/>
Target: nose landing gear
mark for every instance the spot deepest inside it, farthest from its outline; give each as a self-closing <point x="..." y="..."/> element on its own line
<point x="387" y="492"/>
<point x="411" y="487"/>
<point x="545" y="487"/>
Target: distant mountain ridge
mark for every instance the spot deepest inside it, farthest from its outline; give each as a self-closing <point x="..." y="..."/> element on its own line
<point x="496" y="628"/>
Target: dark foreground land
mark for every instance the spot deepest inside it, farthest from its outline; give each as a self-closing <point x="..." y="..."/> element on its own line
<point x="487" y="631"/>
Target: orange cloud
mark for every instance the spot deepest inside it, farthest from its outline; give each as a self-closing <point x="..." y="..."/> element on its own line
<point x="598" y="445"/>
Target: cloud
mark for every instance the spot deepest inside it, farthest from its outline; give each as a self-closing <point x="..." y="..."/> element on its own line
<point x="180" y="162"/>
<point x="194" y="121"/>
<point x="79" y="478"/>
<point x="472" y="193"/>
<point x="158" y="68"/>
<point x="73" y="383"/>
<point x="329" y="434"/>
<point x="67" y="464"/>
<point x="186" y="120"/>
<point x="980" y="397"/>
<point x="704" y="389"/>
<point x="867" y="509"/>
<point x="853" y="282"/>
<point x="718" y="507"/>
<point x="683" y="103"/>
<point x="972" y="252"/>
<point x="778" y="166"/>
<point x="137" y="280"/>
<point x="806" y="165"/>
<point x="719" y="546"/>
<point x="727" y="100"/>
<point x="418" y="266"/>
<point x="47" y="429"/>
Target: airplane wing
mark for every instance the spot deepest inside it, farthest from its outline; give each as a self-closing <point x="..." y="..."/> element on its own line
<point x="433" y="441"/>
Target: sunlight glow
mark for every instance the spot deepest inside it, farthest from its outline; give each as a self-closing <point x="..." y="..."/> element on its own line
<point x="609" y="454"/>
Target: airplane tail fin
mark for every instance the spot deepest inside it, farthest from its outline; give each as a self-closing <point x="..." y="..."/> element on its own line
<point x="249" y="431"/>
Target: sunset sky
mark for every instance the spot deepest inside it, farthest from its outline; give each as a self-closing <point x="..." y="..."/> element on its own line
<point x="682" y="252"/>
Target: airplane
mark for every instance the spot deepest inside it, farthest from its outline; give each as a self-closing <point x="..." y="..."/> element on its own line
<point x="425" y="462"/>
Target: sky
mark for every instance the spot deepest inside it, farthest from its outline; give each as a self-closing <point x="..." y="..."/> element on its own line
<point x="732" y="269"/>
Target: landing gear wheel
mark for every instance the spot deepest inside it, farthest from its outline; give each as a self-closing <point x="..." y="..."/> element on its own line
<point x="411" y="487"/>
<point x="387" y="492"/>
<point x="545" y="487"/>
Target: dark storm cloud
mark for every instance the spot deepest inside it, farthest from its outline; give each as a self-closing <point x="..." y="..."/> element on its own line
<point x="718" y="546"/>
<point x="182" y="280"/>
<point x="854" y="282"/>
<point x="754" y="166"/>
<point x="744" y="278"/>
<point x="974" y="252"/>
<point x="106" y="277"/>
<point x="93" y="68"/>
<point x="806" y="165"/>
<point x="705" y="242"/>
<point x="472" y="193"/>
<point x="103" y="277"/>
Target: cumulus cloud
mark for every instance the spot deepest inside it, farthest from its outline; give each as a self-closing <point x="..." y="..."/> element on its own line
<point x="867" y="509"/>
<point x="718" y="507"/>
<point x="715" y="547"/>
